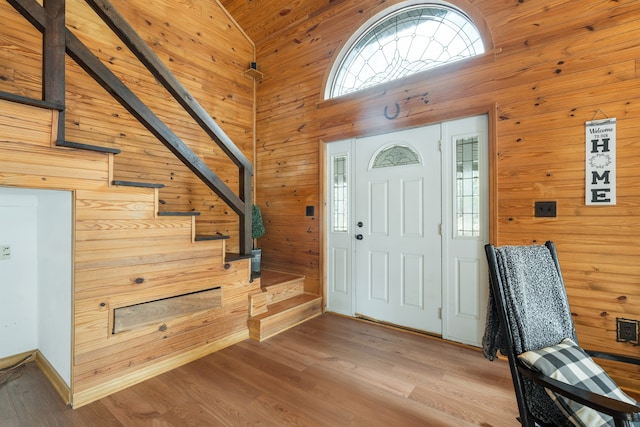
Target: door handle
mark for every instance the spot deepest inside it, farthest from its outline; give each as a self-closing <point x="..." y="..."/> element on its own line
<point x="359" y="237"/>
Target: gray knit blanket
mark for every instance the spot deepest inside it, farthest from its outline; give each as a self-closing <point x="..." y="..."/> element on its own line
<point x="538" y="312"/>
<point x="535" y="298"/>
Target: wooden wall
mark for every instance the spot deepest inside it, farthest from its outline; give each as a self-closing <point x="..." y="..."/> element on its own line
<point x="552" y="66"/>
<point x="124" y="254"/>
<point x="204" y="49"/>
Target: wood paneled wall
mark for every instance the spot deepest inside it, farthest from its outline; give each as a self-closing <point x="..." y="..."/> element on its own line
<point x="124" y="254"/>
<point x="206" y="51"/>
<point x="553" y="65"/>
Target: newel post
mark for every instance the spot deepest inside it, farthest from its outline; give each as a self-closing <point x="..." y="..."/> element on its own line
<point x="246" y="241"/>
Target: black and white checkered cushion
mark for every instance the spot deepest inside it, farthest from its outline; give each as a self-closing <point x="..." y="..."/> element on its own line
<point x="568" y="363"/>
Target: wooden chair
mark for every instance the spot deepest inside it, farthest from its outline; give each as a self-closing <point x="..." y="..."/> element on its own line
<point x="529" y="320"/>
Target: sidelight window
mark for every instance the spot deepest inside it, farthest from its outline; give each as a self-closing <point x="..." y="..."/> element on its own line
<point x="340" y="194"/>
<point x="467" y="188"/>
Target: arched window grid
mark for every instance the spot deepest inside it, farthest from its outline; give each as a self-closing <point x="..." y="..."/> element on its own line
<point x="412" y="39"/>
<point x="395" y="155"/>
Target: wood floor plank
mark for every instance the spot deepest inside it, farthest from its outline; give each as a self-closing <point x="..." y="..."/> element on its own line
<point x="129" y="409"/>
<point x="330" y="371"/>
<point x="284" y="391"/>
<point x="96" y="414"/>
<point x="8" y="413"/>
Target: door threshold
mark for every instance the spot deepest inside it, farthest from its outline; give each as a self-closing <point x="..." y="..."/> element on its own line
<point x="393" y="325"/>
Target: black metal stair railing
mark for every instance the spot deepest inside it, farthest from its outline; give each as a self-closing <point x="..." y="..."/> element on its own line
<point x="82" y="55"/>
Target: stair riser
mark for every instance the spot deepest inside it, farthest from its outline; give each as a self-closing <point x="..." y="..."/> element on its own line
<point x="261" y="329"/>
<point x="257" y="303"/>
<point x="283" y="291"/>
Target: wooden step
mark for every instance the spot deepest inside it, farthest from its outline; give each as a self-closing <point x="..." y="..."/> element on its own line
<point x="280" y="285"/>
<point x="232" y="256"/>
<point x="284" y="315"/>
<point x="31" y="101"/>
<point x="275" y="286"/>
<point x="137" y="184"/>
<point x="178" y="213"/>
<point x="88" y="147"/>
<point x="205" y="237"/>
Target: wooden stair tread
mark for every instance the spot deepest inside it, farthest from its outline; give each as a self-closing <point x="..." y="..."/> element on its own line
<point x="286" y="305"/>
<point x="276" y="286"/>
<point x="272" y="278"/>
<point x="233" y="256"/>
<point x="88" y="147"/>
<point x="178" y="213"/>
<point x="204" y="237"/>
<point x="284" y="315"/>
<point x="137" y="184"/>
<point x="31" y="101"/>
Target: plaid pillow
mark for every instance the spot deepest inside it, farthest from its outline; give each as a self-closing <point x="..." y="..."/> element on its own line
<point x="568" y="363"/>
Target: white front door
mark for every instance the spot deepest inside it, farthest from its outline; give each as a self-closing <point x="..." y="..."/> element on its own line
<point x="407" y="219"/>
<point x="397" y="219"/>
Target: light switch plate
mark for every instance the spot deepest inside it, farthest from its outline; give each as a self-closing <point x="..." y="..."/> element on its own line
<point x="5" y="252"/>
<point x="545" y="209"/>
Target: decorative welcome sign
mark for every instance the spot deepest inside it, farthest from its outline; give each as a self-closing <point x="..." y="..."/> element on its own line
<point x="600" y="174"/>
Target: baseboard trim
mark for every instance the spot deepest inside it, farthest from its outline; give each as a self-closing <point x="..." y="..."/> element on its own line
<point x="54" y="378"/>
<point x="84" y="397"/>
<point x="43" y="364"/>
<point x="9" y="361"/>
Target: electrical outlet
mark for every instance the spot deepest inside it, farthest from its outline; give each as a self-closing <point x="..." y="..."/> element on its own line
<point x="5" y="252"/>
<point x="545" y="209"/>
<point x="627" y="330"/>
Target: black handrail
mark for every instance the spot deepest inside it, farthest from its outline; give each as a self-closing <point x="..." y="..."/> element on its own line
<point x="161" y="72"/>
<point x="83" y="56"/>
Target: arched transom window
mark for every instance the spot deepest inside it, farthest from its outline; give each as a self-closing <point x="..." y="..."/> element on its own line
<point x="395" y="155"/>
<point x="404" y="42"/>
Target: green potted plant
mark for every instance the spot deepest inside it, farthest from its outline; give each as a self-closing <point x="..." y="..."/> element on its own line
<point x="257" y="231"/>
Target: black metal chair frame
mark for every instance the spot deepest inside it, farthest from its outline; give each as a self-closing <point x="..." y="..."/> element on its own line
<point x="621" y="412"/>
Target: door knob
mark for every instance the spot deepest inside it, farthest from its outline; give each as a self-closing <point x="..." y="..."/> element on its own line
<point x="359" y="236"/>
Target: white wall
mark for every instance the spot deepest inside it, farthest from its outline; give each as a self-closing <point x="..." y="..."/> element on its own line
<point x="54" y="279"/>
<point x="19" y="274"/>
<point x="36" y="283"/>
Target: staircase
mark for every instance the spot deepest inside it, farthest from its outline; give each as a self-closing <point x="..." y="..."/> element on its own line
<point x="281" y="304"/>
<point x="148" y="293"/>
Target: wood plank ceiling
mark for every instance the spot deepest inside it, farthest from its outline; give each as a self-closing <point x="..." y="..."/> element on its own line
<point x="260" y="20"/>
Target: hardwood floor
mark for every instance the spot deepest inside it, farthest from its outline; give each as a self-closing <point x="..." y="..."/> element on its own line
<point x="329" y="371"/>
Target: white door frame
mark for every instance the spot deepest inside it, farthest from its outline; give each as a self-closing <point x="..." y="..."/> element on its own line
<point x="491" y="112"/>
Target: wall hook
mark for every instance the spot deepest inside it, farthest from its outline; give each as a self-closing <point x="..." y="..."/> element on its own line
<point x="599" y="111"/>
